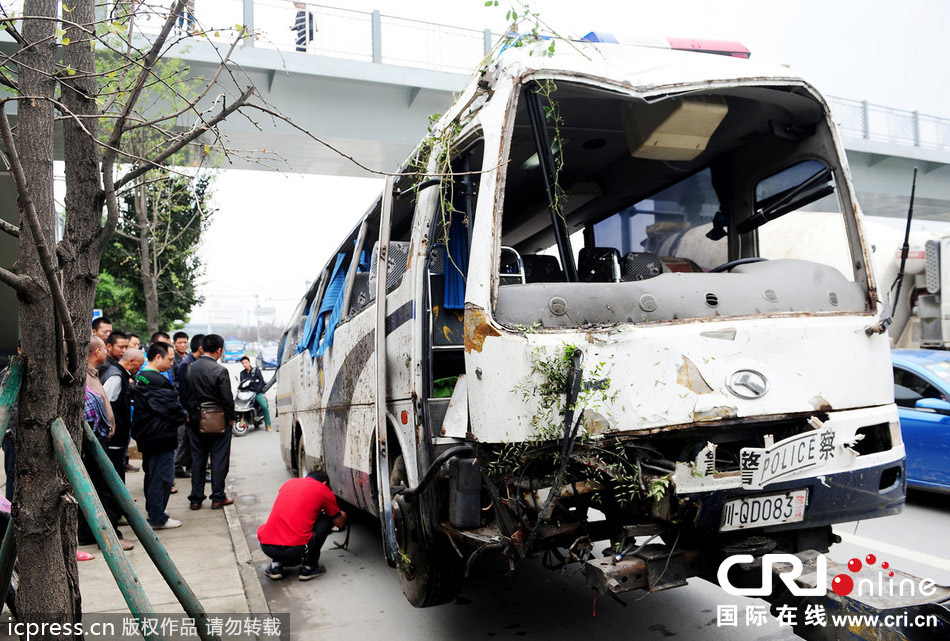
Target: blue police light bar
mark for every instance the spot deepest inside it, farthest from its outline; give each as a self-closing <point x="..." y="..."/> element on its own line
<point x="600" y="36"/>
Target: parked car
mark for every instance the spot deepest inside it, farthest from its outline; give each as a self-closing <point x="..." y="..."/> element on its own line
<point x="922" y="393"/>
<point x="267" y="358"/>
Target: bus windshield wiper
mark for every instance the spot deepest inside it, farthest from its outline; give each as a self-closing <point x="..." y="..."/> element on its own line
<point x="817" y="186"/>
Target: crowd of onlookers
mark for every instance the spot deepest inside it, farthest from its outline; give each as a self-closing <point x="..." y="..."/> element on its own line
<point x="172" y="398"/>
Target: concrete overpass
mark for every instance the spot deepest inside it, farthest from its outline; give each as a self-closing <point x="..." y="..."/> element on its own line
<point x="368" y="83"/>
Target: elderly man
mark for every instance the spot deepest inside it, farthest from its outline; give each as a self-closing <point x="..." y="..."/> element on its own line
<point x="116" y="382"/>
<point x="99" y="415"/>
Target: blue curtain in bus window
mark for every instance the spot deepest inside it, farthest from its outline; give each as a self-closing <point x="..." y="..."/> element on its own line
<point x="307" y="335"/>
<point x="316" y="317"/>
<point x="456" y="263"/>
<point x="331" y="309"/>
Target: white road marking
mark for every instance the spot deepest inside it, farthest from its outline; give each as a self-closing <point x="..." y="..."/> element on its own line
<point x="895" y="550"/>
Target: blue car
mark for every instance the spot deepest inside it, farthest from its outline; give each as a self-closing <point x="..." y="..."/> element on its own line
<point x="922" y="393"/>
<point x="267" y="358"/>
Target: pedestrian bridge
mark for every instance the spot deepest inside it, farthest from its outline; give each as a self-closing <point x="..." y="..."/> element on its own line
<point x="367" y="84"/>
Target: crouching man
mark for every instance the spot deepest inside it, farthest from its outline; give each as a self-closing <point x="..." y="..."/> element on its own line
<point x="300" y="521"/>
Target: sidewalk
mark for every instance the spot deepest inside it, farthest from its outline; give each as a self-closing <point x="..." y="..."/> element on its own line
<point x="209" y="550"/>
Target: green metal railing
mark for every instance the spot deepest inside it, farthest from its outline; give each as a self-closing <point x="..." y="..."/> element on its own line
<point x="68" y="455"/>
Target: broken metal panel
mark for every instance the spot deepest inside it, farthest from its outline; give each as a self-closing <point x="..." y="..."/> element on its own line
<point x="700" y="475"/>
<point x="455" y="423"/>
<point x="655" y="568"/>
<point x="802" y="358"/>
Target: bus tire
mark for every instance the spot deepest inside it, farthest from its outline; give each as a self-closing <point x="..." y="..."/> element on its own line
<point x="430" y="574"/>
<point x="302" y="469"/>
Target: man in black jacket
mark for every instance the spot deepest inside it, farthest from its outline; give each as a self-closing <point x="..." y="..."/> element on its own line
<point x="116" y="345"/>
<point x="155" y="421"/>
<point x="183" y="453"/>
<point x="208" y="383"/>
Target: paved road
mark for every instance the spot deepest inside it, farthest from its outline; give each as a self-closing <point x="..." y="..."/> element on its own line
<point x="360" y="597"/>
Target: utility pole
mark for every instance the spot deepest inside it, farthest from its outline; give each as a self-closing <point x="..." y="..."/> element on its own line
<point x="257" y="315"/>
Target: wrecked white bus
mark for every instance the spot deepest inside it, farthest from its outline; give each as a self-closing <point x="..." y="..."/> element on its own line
<point x="589" y="324"/>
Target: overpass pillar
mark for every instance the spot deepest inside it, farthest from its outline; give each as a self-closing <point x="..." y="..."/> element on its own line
<point x="249" y="22"/>
<point x="377" y="37"/>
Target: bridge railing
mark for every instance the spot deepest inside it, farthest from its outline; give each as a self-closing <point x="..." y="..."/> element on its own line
<point x="372" y="37"/>
<point x="861" y="119"/>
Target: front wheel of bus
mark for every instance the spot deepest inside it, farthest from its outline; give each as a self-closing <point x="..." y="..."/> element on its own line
<point x="430" y="573"/>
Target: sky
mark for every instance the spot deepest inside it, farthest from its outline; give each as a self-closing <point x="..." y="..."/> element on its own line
<point x="889" y="53"/>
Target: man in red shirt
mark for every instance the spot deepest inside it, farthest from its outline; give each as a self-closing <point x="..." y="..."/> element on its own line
<point x="300" y="521"/>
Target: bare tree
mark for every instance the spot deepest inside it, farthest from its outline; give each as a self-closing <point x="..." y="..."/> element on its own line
<point x="52" y="78"/>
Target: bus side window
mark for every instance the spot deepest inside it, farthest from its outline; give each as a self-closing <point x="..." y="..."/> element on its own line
<point x="364" y="280"/>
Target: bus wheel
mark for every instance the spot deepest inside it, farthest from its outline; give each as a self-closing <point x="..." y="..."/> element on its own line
<point x="430" y="572"/>
<point x="302" y="470"/>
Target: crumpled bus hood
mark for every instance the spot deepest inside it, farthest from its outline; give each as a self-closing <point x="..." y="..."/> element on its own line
<point x="680" y="374"/>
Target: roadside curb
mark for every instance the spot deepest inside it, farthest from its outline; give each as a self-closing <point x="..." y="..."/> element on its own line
<point x="253" y="591"/>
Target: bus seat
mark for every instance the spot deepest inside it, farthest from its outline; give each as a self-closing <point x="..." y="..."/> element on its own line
<point x="641" y="266"/>
<point x="541" y="268"/>
<point x="511" y="270"/>
<point x="598" y="265"/>
<point x="398" y="262"/>
<point x="360" y="297"/>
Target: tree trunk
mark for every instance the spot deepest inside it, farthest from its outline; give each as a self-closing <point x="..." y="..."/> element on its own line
<point x="81" y="248"/>
<point x="149" y="277"/>
<point x="44" y="519"/>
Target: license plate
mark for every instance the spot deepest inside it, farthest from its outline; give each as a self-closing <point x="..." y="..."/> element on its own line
<point x="763" y="510"/>
<point x="760" y="466"/>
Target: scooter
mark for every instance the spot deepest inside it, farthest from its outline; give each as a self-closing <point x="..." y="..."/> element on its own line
<point x="249" y="413"/>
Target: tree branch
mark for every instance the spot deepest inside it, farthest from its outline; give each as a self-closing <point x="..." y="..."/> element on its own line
<point x="12" y="30"/>
<point x="39" y="241"/>
<point x="178" y="145"/>
<point x="150" y="58"/>
<point x="11" y="229"/>
<point x="15" y="281"/>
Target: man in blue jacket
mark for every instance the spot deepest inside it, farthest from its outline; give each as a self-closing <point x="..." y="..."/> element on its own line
<point x="155" y="421"/>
